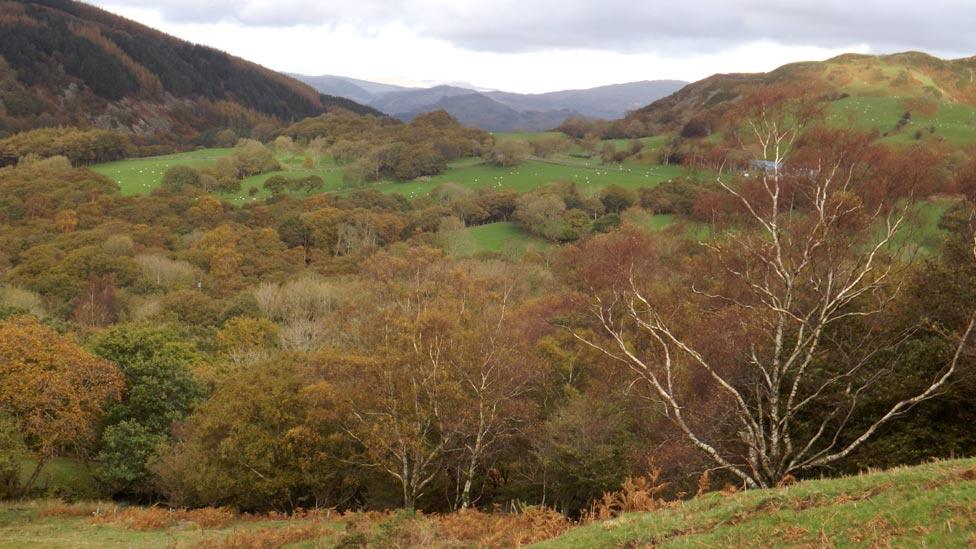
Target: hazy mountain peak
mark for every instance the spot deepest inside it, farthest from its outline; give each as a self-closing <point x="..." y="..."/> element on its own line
<point x="498" y="110"/>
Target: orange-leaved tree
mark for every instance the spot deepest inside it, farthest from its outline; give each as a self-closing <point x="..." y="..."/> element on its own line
<point x="54" y="389"/>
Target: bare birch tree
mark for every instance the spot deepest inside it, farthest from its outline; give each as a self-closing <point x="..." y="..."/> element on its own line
<point x="811" y="256"/>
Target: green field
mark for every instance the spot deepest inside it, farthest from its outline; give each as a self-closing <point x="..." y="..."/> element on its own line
<point x="922" y="227"/>
<point x="535" y="173"/>
<point x="932" y="505"/>
<point x="140" y="175"/>
<point x="526" y="136"/>
<point x="954" y="122"/>
<point x="504" y="237"/>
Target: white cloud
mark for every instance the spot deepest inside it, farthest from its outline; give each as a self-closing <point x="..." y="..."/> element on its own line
<point x="543" y="45"/>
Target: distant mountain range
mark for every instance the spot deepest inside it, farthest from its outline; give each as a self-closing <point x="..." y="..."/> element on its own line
<point x="497" y="110"/>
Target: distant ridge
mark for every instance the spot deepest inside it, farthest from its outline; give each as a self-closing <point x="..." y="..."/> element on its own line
<point x="498" y="110"/>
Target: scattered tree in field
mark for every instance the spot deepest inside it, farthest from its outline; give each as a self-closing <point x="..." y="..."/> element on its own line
<point x="508" y="153"/>
<point x="178" y="178"/>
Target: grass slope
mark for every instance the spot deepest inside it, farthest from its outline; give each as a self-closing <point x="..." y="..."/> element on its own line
<point x="954" y="122"/>
<point x="880" y="89"/>
<point x="932" y="505"/>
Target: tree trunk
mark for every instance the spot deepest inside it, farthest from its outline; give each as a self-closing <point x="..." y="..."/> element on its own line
<point x="26" y="488"/>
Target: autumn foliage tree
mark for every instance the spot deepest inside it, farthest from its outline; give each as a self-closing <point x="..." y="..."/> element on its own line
<point x="780" y="319"/>
<point x="55" y="390"/>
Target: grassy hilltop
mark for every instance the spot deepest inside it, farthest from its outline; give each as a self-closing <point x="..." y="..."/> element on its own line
<point x="869" y="92"/>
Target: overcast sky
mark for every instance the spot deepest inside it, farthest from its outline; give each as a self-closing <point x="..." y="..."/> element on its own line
<point x="545" y="45"/>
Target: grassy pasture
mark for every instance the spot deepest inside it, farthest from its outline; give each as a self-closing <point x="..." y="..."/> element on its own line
<point x="503" y="237"/>
<point x="137" y="176"/>
<point x="534" y="173"/>
<point x="954" y="122"/>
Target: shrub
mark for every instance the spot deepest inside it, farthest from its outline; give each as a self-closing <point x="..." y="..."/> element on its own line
<point x="167" y="273"/>
<point x="119" y="245"/>
<point x="178" y="178"/>
<point x="24" y="300"/>
<point x="508" y="153"/>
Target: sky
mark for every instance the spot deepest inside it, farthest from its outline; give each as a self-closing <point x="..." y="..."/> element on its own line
<point x="534" y="46"/>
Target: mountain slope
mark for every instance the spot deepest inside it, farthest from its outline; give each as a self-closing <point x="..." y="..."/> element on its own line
<point x="65" y="62"/>
<point x="478" y="110"/>
<point x="930" y="505"/>
<point x="608" y="102"/>
<point x="421" y="99"/>
<point x="337" y="86"/>
<point x="872" y="92"/>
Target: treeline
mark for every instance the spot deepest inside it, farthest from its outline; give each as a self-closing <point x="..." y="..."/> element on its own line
<point x="372" y="149"/>
<point x="81" y="147"/>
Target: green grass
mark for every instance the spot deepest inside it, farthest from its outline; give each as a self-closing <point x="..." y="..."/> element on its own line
<point x="23" y="526"/>
<point x="922" y="226"/>
<point x="954" y="122"/>
<point x="325" y="168"/>
<point x="61" y="477"/>
<point x="932" y="505"/>
<point x="526" y="136"/>
<point x="504" y="237"/>
<point x="140" y="175"/>
<point x="532" y="174"/>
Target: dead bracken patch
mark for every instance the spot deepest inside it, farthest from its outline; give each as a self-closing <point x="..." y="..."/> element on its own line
<point x="156" y="518"/>
<point x="269" y="538"/>
<point x="635" y="495"/>
<point x="865" y="495"/>
<point x="503" y="530"/>
<point x="878" y="532"/>
<point x="75" y="510"/>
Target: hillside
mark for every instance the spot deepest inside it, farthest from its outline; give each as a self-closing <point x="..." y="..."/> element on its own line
<point x="478" y="110"/>
<point x="498" y="110"/>
<point x="932" y="505"/>
<point x="607" y="102"/>
<point x="68" y="63"/>
<point x="872" y="92"/>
